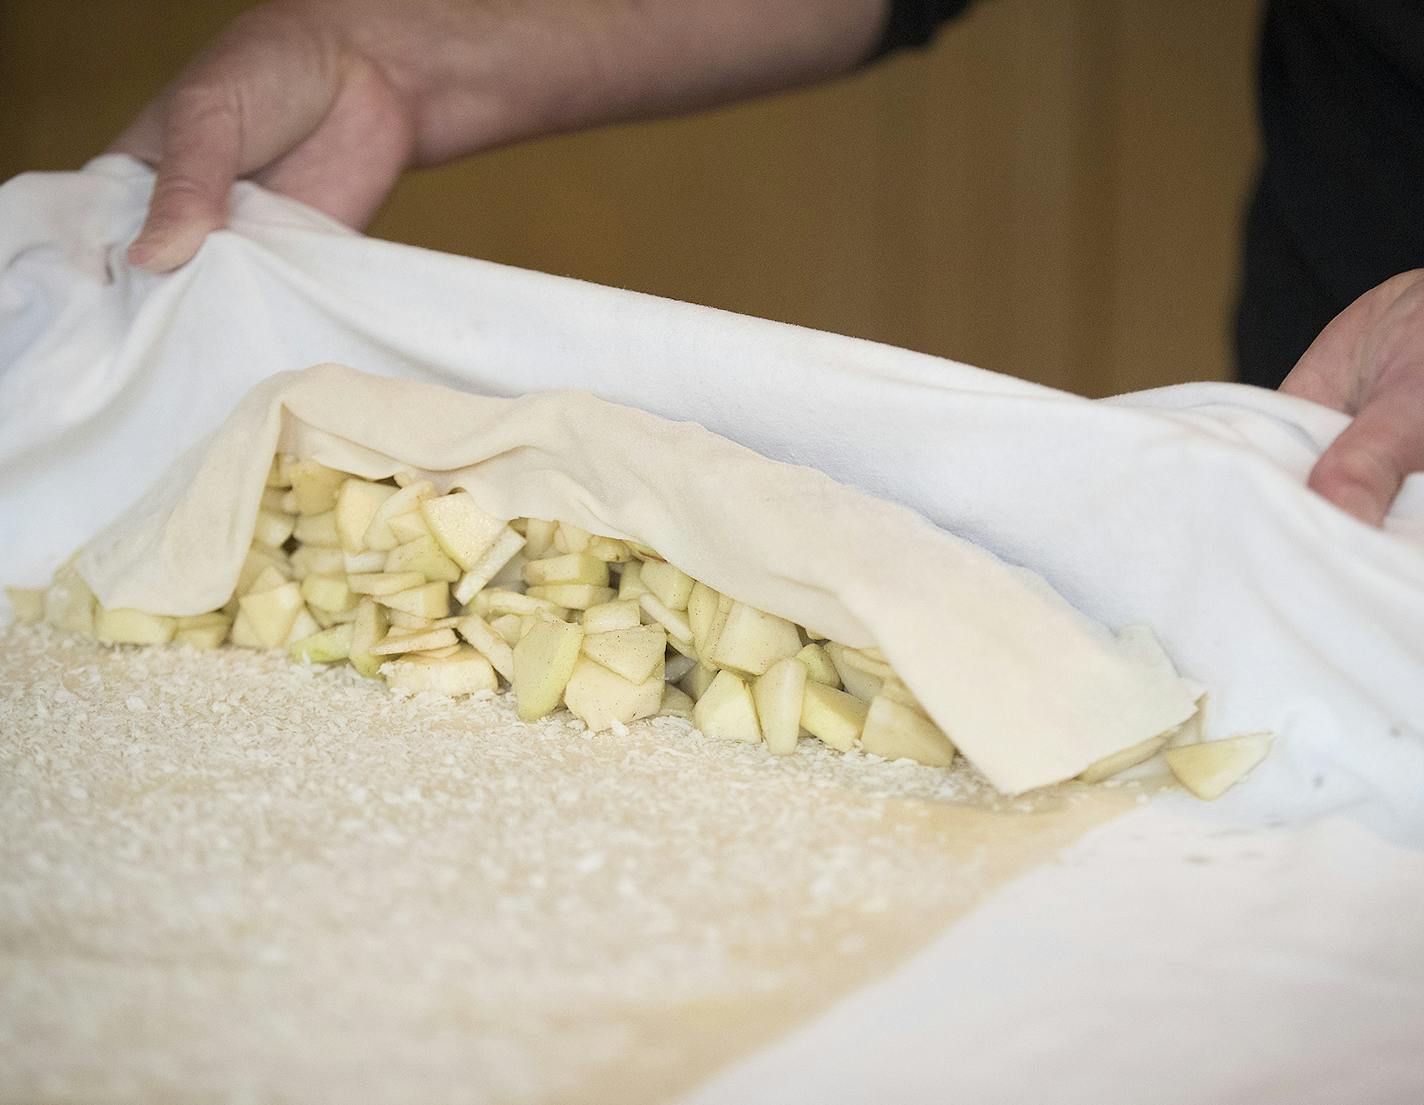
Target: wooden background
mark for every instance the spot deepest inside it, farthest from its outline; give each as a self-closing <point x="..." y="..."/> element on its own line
<point x="1054" y="190"/>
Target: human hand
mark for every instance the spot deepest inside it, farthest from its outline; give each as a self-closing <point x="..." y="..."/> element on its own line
<point x="328" y="101"/>
<point x="288" y="94"/>
<point x="1369" y="363"/>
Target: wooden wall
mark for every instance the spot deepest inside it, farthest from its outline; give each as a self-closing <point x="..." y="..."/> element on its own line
<point x="1054" y="190"/>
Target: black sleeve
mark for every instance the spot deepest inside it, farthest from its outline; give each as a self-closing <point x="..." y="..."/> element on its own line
<point x="913" y="23"/>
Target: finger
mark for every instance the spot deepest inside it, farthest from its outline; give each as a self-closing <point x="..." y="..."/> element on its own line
<point x="1366" y="465"/>
<point x="202" y="146"/>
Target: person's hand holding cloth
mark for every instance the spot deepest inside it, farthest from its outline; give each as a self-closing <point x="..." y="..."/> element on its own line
<point x="329" y="101"/>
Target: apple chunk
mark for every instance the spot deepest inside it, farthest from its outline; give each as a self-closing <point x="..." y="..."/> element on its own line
<point x="492" y="562"/>
<point x="833" y="716"/>
<point x="423" y="555"/>
<point x="631" y="653"/>
<point x="752" y="640"/>
<point x="356" y="504"/>
<point x="462" y="672"/>
<point x="568" y="568"/>
<point x="133" y="627"/>
<point x="778" y="695"/>
<point x="894" y="731"/>
<point x="369" y="628"/>
<point x="325" y="647"/>
<point x="488" y="642"/>
<point x="608" y="616"/>
<point x="601" y="697"/>
<point x="1109" y="766"/>
<point x="314" y="485"/>
<point x="1209" y="770"/>
<point x="465" y="532"/>
<point x="726" y="710"/>
<point x="543" y="663"/>
<point x="270" y="614"/>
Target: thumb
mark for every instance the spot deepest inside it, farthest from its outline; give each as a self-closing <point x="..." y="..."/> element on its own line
<point x="1366" y="465"/>
<point x="202" y="139"/>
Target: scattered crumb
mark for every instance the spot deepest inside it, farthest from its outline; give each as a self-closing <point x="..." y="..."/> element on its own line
<point x="224" y="876"/>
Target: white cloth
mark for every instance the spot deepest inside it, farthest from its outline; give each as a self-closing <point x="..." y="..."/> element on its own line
<point x="1182" y="508"/>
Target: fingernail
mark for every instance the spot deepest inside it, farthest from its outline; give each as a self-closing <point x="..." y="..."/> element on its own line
<point x="141" y="252"/>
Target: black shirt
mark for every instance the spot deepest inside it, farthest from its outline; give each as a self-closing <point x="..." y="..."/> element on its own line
<point x="1339" y="203"/>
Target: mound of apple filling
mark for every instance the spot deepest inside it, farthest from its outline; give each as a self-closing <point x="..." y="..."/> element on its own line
<point x="430" y="593"/>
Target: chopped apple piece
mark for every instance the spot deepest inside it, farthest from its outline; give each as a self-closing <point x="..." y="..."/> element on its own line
<point x="675" y="703"/>
<point x="610" y="550"/>
<point x="540" y="537"/>
<point x="491" y="565"/>
<point x="69" y="603"/>
<point x="267" y="579"/>
<point x="271" y="614"/>
<point x="897" y="732"/>
<point x="630" y="583"/>
<point x="778" y="695"/>
<point x="274" y="498"/>
<point x="707" y="646"/>
<point x="125" y="626"/>
<point x="608" y="616"/>
<point x="1109" y="766"/>
<point x="378" y="532"/>
<point x="401" y="620"/>
<point x="441" y="653"/>
<point x="325" y="647"/>
<point x="430" y="600"/>
<point x="303" y="626"/>
<point x="464" y="531"/>
<point x="602" y="697"/>
<point x="644" y="551"/>
<point x="423" y="555"/>
<point x="271" y="529"/>
<point x="726" y="710"/>
<point x="28" y="603"/>
<point x="510" y="627"/>
<point x="752" y="640"/>
<point x="631" y="653"/>
<point x="383" y="583"/>
<point x="567" y="568"/>
<point x="678" y="666"/>
<point x="364" y="563"/>
<point x="314" y="486"/>
<point x="861" y="675"/>
<point x="833" y="716"/>
<point x="512" y="602"/>
<point x="328" y="593"/>
<point x="368" y="629"/>
<point x="672" y="620"/>
<point x="819" y="666"/>
<point x="203" y="631"/>
<point x="673" y="587"/>
<point x="242" y="634"/>
<point x="569" y="538"/>
<point x="488" y="643"/>
<point x="544" y="660"/>
<point x="322" y="560"/>
<point x="463" y="672"/>
<point x="317" y="529"/>
<point x="696" y="682"/>
<point x="356" y="504"/>
<point x="701" y="612"/>
<point x="895" y="690"/>
<point x="407" y="527"/>
<point x="259" y="558"/>
<point x="400" y="641"/>
<point x="575" y="596"/>
<point x="1209" y="770"/>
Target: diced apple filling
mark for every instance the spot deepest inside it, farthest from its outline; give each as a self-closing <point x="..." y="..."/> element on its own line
<point x="433" y="594"/>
